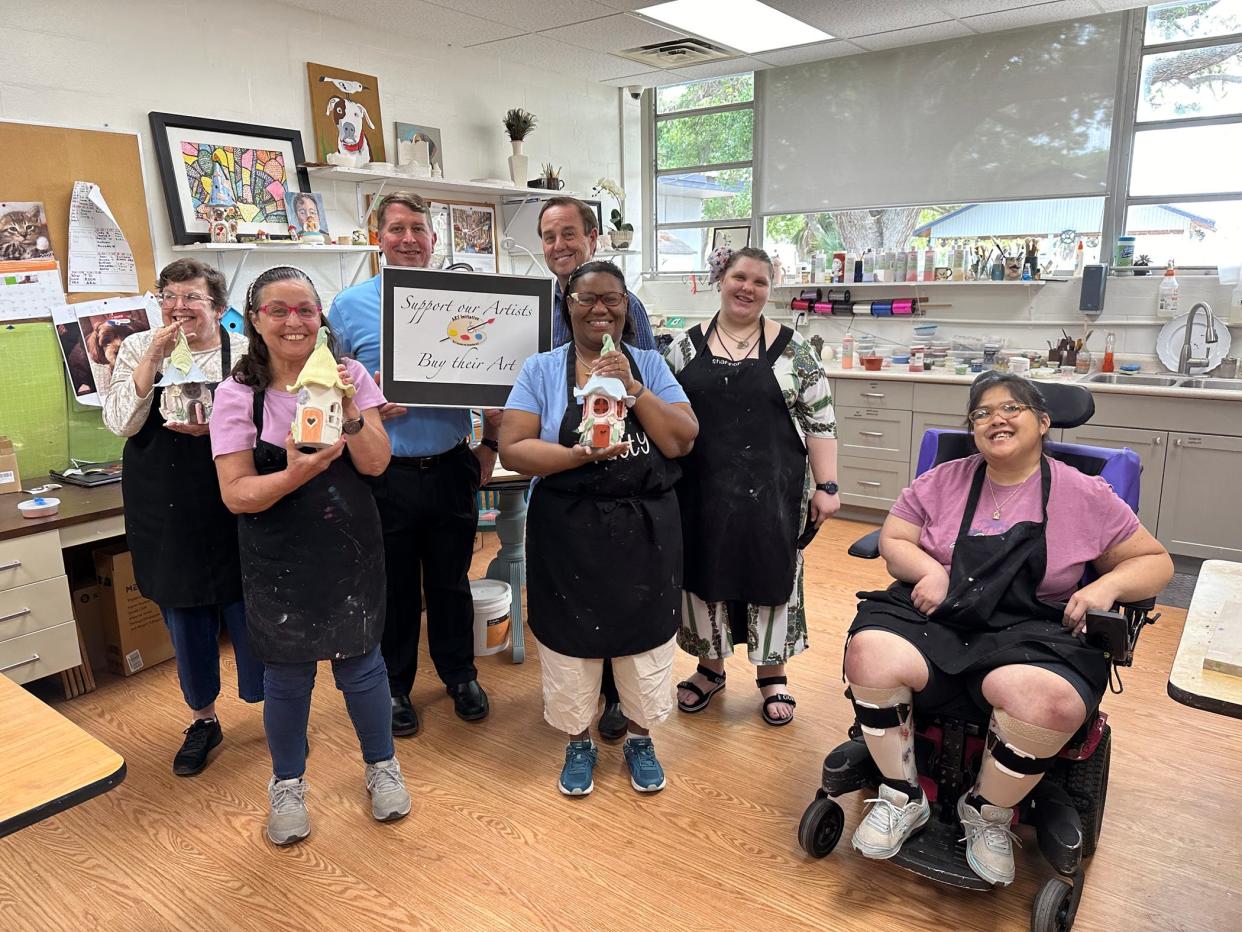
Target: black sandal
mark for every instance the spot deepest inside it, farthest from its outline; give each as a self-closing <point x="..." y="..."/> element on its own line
<point x="779" y="697"/>
<point x="705" y="698"/>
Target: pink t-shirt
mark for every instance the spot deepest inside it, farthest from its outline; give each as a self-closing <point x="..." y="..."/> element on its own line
<point x="232" y="420"/>
<point x="1085" y="516"/>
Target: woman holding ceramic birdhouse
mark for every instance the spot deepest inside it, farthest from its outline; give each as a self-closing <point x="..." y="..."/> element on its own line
<point x="293" y="434"/>
<point x="761" y="479"/>
<point x="601" y="424"/>
<point x="182" y="538"/>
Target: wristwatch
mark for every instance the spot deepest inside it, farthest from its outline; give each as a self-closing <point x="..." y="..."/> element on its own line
<point x="830" y="487"/>
<point x="352" y="427"/>
<point x="492" y="445"/>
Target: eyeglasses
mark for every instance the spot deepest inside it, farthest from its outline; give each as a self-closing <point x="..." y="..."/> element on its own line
<point x="1009" y="410"/>
<point x="193" y="299"/>
<point x="282" y="311"/>
<point x="585" y="300"/>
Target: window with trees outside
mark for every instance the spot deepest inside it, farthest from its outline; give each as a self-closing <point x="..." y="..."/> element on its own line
<point x="704" y="143"/>
<point x="1184" y="167"/>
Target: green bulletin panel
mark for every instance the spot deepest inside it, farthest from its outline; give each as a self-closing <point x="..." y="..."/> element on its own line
<point x="37" y="411"/>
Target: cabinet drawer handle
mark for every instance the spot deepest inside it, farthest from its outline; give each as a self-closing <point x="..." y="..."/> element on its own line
<point x="10" y="566"/>
<point x="871" y="433"/>
<point x="1157" y="440"/>
<point x="873" y="394"/>
<point x="18" y="614"/>
<point x="33" y="658"/>
<point x="874" y="485"/>
<point x="1177" y="442"/>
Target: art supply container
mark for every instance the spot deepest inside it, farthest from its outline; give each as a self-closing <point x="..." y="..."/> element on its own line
<point x="492" y="600"/>
<point x="872" y="363"/>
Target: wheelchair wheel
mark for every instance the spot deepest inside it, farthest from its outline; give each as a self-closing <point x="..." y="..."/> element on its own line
<point x="1051" y="910"/>
<point x="820" y="828"/>
<point x="1087" y="784"/>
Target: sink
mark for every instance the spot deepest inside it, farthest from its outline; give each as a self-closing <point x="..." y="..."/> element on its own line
<point x="1121" y="378"/>
<point x="1216" y="385"/>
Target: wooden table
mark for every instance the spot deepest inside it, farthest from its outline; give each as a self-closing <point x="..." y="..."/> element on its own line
<point x="47" y="763"/>
<point x="1217" y="600"/>
<point x="85" y="514"/>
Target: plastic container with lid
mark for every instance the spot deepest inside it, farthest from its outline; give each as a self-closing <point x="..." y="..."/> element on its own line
<point x="917" y="353"/>
<point x="1125" y="253"/>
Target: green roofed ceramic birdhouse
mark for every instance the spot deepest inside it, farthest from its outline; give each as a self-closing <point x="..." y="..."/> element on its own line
<point x="185" y="396"/>
<point x="319" y="415"/>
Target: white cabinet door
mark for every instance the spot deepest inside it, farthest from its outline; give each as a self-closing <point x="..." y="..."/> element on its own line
<point x="1201" y="501"/>
<point x="1148" y="444"/>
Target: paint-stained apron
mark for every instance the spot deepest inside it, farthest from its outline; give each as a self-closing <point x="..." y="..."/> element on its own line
<point x="312" y="564"/>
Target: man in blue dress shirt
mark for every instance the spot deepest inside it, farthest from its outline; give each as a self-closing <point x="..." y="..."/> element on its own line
<point x="569" y="231"/>
<point x="427" y="497"/>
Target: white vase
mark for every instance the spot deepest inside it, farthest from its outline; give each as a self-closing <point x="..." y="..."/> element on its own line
<point x="518" y="164"/>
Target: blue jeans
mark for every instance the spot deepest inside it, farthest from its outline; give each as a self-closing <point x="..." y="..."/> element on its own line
<point x="363" y="680"/>
<point x="195" y="634"/>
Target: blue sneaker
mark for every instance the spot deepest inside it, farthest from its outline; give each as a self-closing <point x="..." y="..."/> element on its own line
<point x="580" y="759"/>
<point x="646" y="774"/>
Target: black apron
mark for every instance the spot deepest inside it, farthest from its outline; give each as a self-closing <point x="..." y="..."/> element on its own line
<point x="603" y="547"/>
<point x="312" y="564"/>
<point x="991" y="615"/>
<point x="742" y="484"/>
<point x="183" y="539"/>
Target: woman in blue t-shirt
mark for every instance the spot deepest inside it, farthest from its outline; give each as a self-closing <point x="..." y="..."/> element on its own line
<point x="603" y="534"/>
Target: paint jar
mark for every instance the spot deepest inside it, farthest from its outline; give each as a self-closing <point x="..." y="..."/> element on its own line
<point x="976" y="365"/>
<point x="1019" y="365"/>
<point x="847" y="352"/>
<point x="1067" y="372"/>
<point x="917" y="352"/>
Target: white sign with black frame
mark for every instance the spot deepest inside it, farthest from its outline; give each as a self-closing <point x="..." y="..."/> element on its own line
<point x="457" y="339"/>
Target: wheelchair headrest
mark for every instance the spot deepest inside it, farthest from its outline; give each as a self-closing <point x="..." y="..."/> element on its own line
<point x="1068" y="405"/>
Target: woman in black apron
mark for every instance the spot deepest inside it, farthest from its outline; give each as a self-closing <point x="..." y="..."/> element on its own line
<point x="311" y="547"/>
<point x="746" y="491"/>
<point x="603" y="537"/>
<point x="182" y="538"/>
<point x="983" y="629"/>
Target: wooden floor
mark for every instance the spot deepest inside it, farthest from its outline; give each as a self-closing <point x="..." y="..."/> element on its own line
<point x="491" y="843"/>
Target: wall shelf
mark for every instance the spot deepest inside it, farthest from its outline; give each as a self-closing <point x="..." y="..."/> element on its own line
<point x="242" y="252"/>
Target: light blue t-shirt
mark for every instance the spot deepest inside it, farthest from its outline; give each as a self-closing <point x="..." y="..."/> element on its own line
<point x="355" y="321"/>
<point x="542" y="387"/>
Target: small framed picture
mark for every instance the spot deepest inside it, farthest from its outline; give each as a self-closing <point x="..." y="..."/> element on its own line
<point x="733" y="237"/>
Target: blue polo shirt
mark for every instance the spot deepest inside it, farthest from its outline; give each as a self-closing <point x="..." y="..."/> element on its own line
<point x="355" y="322"/>
<point x="643" y="337"/>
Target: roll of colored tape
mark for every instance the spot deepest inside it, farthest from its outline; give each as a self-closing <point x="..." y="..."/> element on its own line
<point x="902" y="306"/>
<point x="881" y="308"/>
<point x="839" y="295"/>
<point x="862" y="307"/>
<point x="842" y="308"/>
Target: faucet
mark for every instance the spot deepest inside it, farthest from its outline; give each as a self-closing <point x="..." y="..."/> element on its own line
<point x="1184" y="359"/>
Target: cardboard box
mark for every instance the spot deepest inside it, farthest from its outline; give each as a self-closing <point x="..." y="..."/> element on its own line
<point x="10" y="478"/>
<point x="88" y="613"/>
<point x="134" y="629"/>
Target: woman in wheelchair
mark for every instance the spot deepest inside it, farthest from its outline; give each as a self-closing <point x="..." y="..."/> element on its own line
<point x="988" y="552"/>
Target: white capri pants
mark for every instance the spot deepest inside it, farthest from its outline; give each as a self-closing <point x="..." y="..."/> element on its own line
<point x="571" y="687"/>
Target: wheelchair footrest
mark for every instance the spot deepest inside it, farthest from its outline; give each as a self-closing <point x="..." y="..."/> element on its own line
<point x="936" y="854"/>
<point x="849" y="768"/>
<point x="1058" y="828"/>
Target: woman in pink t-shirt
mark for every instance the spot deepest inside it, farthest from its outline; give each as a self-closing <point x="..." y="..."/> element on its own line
<point x="987" y="552"/>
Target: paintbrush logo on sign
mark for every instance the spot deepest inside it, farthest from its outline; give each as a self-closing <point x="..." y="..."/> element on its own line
<point x="466" y="330"/>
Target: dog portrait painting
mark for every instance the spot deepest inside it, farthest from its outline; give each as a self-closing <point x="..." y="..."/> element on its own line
<point x="346" y="109"/>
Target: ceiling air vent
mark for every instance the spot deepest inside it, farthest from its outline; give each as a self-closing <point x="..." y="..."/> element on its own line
<point x="676" y="54"/>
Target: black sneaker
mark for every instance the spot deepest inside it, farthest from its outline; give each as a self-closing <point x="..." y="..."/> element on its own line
<point x="200" y="738"/>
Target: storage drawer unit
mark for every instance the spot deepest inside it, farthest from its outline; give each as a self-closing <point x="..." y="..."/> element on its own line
<point x="867" y="393"/>
<point x="29" y="559"/>
<point x="40" y="653"/>
<point x="40" y="605"/>
<point x="871" y="483"/>
<point x="874" y="433"/>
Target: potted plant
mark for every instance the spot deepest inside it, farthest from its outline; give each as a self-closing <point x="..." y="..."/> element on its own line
<point x="549" y="178"/>
<point x="1141" y="264"/>
<point x="622" y="233"/>
<point x="518" y="125"/>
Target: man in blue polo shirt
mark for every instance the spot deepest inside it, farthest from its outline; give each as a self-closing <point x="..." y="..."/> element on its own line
<point x="569" y="231"/>
<point x="427" y="497"/>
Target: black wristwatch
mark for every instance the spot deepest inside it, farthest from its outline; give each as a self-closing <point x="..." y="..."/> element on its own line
<point x="830" y="487"/>
<point x="490" y="444"/>
<point x="352" y="427"/>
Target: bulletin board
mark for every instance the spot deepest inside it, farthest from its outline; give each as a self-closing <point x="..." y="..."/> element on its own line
<point x="56" y="157"/>
<point x="41" y="163"/>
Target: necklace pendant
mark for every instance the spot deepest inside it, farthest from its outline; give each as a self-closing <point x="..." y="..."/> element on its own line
<point x="742" y="344"/>
<point x="996" y="515"/>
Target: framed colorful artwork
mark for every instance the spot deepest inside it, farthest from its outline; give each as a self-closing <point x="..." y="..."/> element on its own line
<point x="345" y="106"/>
<point x="209" y="164"/>
<point x="474" y="235"/>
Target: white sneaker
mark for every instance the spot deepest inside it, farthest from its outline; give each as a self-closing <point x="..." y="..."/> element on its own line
<point x="389" y="798"/>
<point x="989" y="841"/>
<point x="287" y="819"/>
<point x="891" y="820"/>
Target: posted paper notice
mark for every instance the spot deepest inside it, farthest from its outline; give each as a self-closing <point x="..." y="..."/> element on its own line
<point x="99" y="255"/>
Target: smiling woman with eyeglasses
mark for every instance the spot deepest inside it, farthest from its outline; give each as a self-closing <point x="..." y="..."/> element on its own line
<point x="183" y="539"/>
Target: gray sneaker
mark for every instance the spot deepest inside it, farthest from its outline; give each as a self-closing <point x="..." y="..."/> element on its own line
<point x="890" y="821"/>
<point x="389" y="799"/>
<point x="989" y="842"/>
<point x="287" y="820"/>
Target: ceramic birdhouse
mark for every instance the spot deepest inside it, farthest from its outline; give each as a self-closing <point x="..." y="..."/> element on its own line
<point x="603" y="412"/>
<point x="319" y="416"/>
<point x="186" y="397"/>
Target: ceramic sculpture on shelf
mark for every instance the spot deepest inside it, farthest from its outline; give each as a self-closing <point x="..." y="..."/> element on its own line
<point x="319" y="415"/>
<point x="311" y="234"/>
<point x="186" y="397"/>
<point x="604" y="406"/>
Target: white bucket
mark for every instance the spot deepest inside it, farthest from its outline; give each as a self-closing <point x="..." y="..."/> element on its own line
<point x="492" y="600"/>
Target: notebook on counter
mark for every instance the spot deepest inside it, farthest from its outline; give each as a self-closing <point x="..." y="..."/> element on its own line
<point x="89" y="475"/>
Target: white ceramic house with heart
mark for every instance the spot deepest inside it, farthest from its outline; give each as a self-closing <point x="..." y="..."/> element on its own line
<point x="319" y="415"/>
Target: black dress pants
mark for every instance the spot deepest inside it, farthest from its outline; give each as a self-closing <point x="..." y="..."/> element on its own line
<point x="430" y="514"/>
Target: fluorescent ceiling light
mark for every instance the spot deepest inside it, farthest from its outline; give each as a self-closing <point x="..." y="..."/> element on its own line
<point x="746" y="25"/>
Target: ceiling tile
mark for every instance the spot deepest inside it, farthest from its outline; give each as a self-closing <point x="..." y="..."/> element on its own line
<point x="529" y="15"/>
<point x="716" y="69"/>
<point x="612" y="33"/>
<point x="915" y="35"/>
<point x="435" y="25"/>
<point x="648" y="79"/>
<point x="1033" y="15"/>
<point x="844" y="19"/>
<point x="539" y="51"/>
<point x="816" y="51"/>
<point x="1111" y="6"/>
<point x="958" y="8"/>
